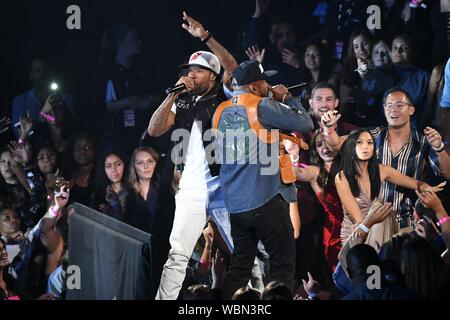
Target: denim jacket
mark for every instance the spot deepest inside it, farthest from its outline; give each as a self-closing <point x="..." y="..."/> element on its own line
<point x="249" y="172"/>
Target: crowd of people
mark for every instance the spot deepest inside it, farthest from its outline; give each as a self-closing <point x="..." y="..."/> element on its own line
<point x="354" y="119"/>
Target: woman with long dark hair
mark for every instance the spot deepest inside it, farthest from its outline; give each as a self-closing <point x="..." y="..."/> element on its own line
<point x="316" y="68"/>
<point x="320" y="175"/>
<point x="358" y="185"/>
<point x="8" y="287"/>
<point x="113" y="195"/>
<point x="362" y="84"/>
<point x="46" y="161"/>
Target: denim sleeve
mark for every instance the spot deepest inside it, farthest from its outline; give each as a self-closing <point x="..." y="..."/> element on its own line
<point x="275" y="115"/>
<point x="445" y="100"/>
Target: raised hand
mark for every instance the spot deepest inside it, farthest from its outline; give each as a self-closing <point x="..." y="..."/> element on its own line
<point x="26" y="124"/>
<point x="291" y="148"/>
<point x="47" y="105"/>
<point x="291" y="58"/>
<point x="437" y="188"/>
<point x="256" y="54"/>
<point x="363" y="67"/>
<point x="208" y="234"/>
<point x="194" y="27"/>
<point x="260" y="7"/>
<point x="19" y="153"/>
<point x="280" y="92"/>
<point x="61" y="198"/>
<point x="377" y="213"/>
<point x="330" y="118"/>
<point x="312" y="287"/>
<point x="433" y="137"/>
<point x="188" y="82"/>
<point x="430" y="200"/>
<point x="55" y="100"/>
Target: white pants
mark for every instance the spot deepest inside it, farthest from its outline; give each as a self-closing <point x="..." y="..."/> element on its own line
<point x="189" y="221"/>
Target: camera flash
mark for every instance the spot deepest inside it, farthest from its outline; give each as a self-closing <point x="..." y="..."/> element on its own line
<point x="54" y="86"/>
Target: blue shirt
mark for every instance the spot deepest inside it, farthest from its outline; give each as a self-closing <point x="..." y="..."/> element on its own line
<point x="414" y="81"/>
<point x="445" y="100"/>
<point x="30" y="102"/>
<point x="250" y="170"/>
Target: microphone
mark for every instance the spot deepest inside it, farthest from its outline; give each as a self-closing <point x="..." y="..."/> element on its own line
<point x="175" y="89"/>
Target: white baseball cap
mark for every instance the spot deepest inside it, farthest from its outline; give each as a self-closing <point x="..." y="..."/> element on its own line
<point x="204" y="59"/>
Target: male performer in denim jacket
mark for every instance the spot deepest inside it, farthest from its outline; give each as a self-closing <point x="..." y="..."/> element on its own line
<point x="256" y="197"/>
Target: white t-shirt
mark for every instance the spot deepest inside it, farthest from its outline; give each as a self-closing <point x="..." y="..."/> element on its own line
<point x="196" y="172"/>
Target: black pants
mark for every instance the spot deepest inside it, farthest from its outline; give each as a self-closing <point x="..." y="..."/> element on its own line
<point x="272" y="225"/>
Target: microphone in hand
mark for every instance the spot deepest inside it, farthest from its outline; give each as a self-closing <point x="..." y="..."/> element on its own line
<point x="176" y="88"/>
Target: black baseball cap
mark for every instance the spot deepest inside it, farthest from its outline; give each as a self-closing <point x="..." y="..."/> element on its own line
<point x="251" y="71"/>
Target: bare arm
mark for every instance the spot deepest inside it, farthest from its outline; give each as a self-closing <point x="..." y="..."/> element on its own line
<point x="227" y="61"/>
<point x="20" y="175"/>
<point x="20" y="156"/>
<point x="393" y="176"/>
<point x="49" y="220"/>
<point x="205" y="260"/>
<point x="163" y="119"/>
<point x="434" y="138"/>
<point x="431" y="200"/>
<point x="347" y="199"/>
<point x="330" y="136"/>
<point x="307" y="174"/>
<point x="295" y="218"/>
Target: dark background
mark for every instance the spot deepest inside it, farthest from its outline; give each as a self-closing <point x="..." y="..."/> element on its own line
<point x="29" y="28"/>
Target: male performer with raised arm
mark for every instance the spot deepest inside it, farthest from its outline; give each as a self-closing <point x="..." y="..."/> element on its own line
<point x="192" y="109"/>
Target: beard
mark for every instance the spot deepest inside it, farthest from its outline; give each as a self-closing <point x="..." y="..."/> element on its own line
<point x="200" y="90"/>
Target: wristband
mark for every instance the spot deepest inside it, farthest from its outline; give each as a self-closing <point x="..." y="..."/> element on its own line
<point x="440" y="148"/>
<point x="415" y="4"/>
<point x="54" y="212"/>
<point x="47" y="117"/>
<point x="209" y="36"/>
<point x="328" y="130"/>
<point x="363" y="228"/>
<point x="300" y="165"/>
<point x="443" y="220"/>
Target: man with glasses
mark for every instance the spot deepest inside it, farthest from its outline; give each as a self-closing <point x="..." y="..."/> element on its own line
<point x="402" y="147"/>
